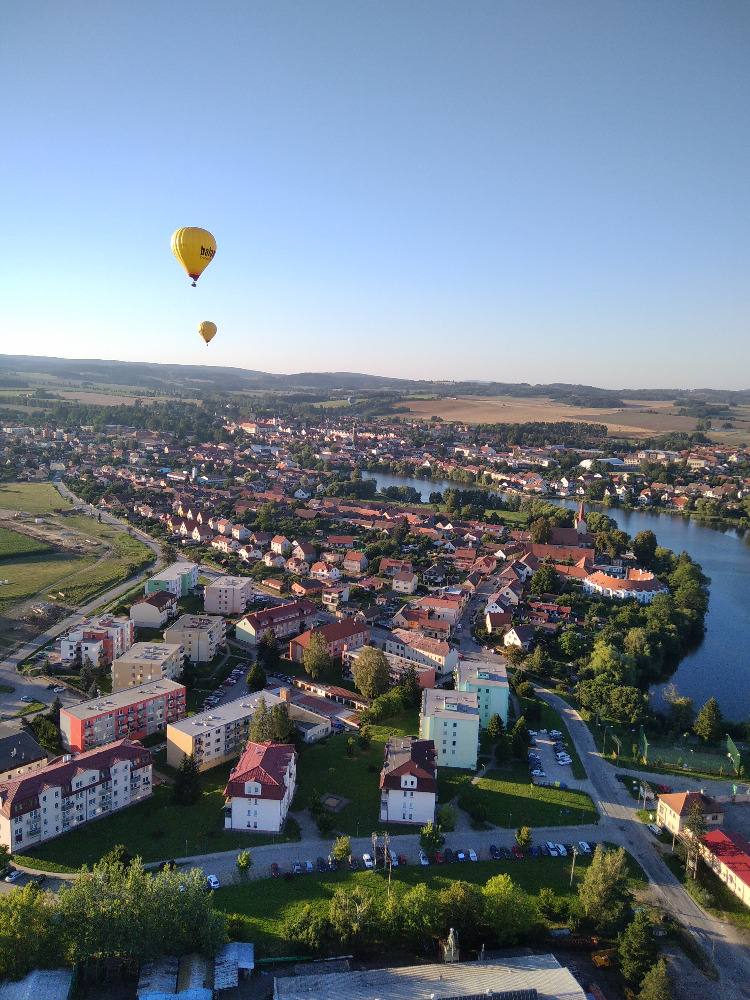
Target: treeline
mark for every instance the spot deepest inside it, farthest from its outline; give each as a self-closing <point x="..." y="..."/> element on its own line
<point x="572" y="434"/>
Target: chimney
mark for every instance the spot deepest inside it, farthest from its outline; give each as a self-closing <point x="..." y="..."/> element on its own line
<point x="285" y="694"/>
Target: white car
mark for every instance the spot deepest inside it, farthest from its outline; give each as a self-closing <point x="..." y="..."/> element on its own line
<point x="394" y="859"/>
<point x="562" y="850"/>
<point x="555" y="734"/>
<point x="13" y="875"/>
<point x="368" y="862"/>
<point x="472" y="855"/>
<point x="584" y="847"/>
<point x="212" y="882"/>
<point x="423" y="859"/>
<point x="538" y="773"/>
<point x="653" y="827"/>
<point x="552" y="848"/>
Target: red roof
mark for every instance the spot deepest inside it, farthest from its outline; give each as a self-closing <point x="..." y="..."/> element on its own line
<point x="731" y="850"/>
<point x="333" y="632"/>
<point x="280" y="613"/>
<point x="409" y="756"/>
<point x="264" y="763"/>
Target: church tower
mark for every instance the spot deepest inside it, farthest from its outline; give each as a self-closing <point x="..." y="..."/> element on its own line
<point x="580" y="522"/>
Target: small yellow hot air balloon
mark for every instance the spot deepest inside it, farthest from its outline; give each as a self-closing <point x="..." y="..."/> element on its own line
<point x="207" y="330"/>
<point x="194" y="248"/>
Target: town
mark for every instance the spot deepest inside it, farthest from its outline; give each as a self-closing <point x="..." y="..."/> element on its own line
<point x="324" y="676"/>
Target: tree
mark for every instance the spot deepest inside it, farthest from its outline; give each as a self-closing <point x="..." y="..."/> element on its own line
<point x="261" y="724"/>
<point x="28" y="937"/>
<point x="282" y="727"/>
<point x="353" y="915"/>
<point x="656" y="984"/>
<point x="708" y="723"/>
<point x="342" y="848"/>
<point x="509" y="912"/>
<point x="523" y="837"/>
<point x="545" y="580"/>
<point x="537" y="662"/>
<point x="316" y="658"/>
<point x="519" y="738"/>
<point x="431" y="838"/>
<point x="256" y="677"/>
<point x="411" y="692"/>
<point x="636" y="948"/>
<point x="186" y="789"/>
<point x="495" y="728"/>
<point x="644" y="547"/>
<point x="540" y="529"/>
<point x="244" y="862"/>
<point x="603" y="890"/>
<point x="118" y="855"/>
<point x="268" y="650"/>
<point x="371" y="672"/>
<point x="419" y="915"/>
<point x="462" y="906"/>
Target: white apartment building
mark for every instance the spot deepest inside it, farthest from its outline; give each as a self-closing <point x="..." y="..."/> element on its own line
<point x="261" y="787"/>
<point x="97" y="641"/>
<point x="408" y="781"/>
<point x="227" y="595"/>
<point x="145" y="662"/>
<point x="423" y="649"/>
<point x="216" y="735"/>
<point x="72" y="791"/>
<point x="201" y="636"/>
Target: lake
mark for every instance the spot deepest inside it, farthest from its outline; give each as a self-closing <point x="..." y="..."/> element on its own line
<point x="719" y="665"/>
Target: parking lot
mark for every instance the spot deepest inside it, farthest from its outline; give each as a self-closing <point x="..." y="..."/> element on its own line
<point x="542" y="757"/>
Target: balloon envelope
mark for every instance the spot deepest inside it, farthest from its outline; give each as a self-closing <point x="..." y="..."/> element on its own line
<point x="207" y="330"/>
<point x="194" y="248"/>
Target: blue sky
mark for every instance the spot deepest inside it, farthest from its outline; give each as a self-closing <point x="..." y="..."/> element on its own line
<point x="523" y="191"/>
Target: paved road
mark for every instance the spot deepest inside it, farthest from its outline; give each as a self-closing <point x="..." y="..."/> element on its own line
<point x="619" y="823"/>
<point x="36" y="687"/>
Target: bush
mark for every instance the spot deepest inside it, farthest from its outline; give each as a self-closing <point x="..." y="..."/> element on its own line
<point x="525" y="690"/>
<point x="447" y="818"/>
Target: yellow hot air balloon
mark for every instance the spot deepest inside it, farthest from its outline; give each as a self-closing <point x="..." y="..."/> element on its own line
<point x="207" y="330"/>
<point x="194" y="248"/>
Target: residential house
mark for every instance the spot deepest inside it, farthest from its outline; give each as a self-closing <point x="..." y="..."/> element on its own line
<point x="325" y="571"/>
<point x="451" y="720"/>
<point x="727" y="854"/>
<point x="521" y="636"/>
<point x="639" y="584"/>
<point x="408" y="781"/>
<point x="496" y="622"/>
<point x="261" y="788"/>
<point x="355" y="562"/>
<point x="338" y="636"/>
<point x="20" y="753"/>
<point x="282" y="621"/>
<point x="72" y="791"/>
<point x="333" y="596"/>
<point x="392" y="567"/>
<point x="281" y="546"/>
<point x="422" y="649"/>
<point x="154" y="610"/>
<point x="97" y="640"/>
<point x="398" y="666"/>
<point x="405" y="582"/>
<point x="675" y="808"/>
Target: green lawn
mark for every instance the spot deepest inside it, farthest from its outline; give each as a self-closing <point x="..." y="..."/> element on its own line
<point x="33" y="498"/>
<point x="259" y="909"/>
<point x="13" y="544"/>
<point x="512" y="800"/>
<point x="325" y="767"/>
<point x="30" y="575"/>
<point x="157" y="829"/>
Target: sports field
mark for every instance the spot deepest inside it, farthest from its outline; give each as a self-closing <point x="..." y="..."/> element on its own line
<point x="32" y="498"/>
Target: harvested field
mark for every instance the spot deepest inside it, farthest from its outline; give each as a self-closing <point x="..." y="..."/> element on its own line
<point x="32" y="498"/>
<point x="638" y="418"/>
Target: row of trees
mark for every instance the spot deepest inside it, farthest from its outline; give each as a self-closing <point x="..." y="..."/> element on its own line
<point x="116" y="911"/>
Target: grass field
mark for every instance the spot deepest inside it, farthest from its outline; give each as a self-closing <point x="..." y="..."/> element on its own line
<point x="35" y="574"/>
<point x="128" y="556"/>
<point x="638" y="418"/>
<point x="33" y="498"/>
<point x="512" y="800"/>
<point x="157" y="829"/>
<point x="260" y="908"/>
<point x="13" y="544"/>
<point x="326" y="767"/>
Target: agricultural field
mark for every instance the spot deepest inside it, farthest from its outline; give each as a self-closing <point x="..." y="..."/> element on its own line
<point x="32" y="498"/>
<point x="638" y="418"/>
<point x="13" y="544"/>
<point x="32" y="575"/>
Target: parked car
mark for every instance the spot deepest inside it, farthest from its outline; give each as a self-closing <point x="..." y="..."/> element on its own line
<point x="584" y="847"/>
<point x="423" y="859"/>
<point x="402" y="859"/>
<point x="552" y="848"/>
<point x="544" y="850"/>
<point x="439" y="859"/>
<point x="562" y="850"/>
<point x="15" y="873"/>
<point x="653" y="827"/>
<point x="322" y="865"/>
<point x="309" y="867"/>
<point x="555" y="733"/>
<point x="460" y="856"/>
<point x="212" y="882"/>
<point x="297" y="867"/>
<point x="535" y="852"/>
<point x="472" y="854"/>
<point x="450" y="857"/>
<point x="505" y="854"/>
<point x="368" y="862"/>
<point x="494" y="853"/>
<point x="333" y="865"/>
<point x="517" y="852"/>
<point x="275" y="870"/>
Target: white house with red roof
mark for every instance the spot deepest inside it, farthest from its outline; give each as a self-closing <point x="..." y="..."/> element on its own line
<point x="727" y="854"/>
<point x="261" y="788"/>
<point x="639" y="584"/>
<point x="408" y="781"/>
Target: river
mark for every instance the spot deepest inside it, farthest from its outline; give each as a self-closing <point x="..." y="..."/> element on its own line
<point x="717" y="667"/>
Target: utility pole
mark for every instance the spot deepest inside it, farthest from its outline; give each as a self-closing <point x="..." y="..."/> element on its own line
<point x="573" y="866"/>
<point x="374" y="839"/>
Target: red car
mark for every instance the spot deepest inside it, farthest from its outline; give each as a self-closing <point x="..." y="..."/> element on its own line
<point x="402" y="860"/>
<point x="439" y="859"/>
<point x="275" y="870"/>
<point x="517" y="852"/>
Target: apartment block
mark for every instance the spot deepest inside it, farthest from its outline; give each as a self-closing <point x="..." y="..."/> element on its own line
<point x="451" y="720"/>
<point x="398" y="666"/>
<point x="423" y="649"/>
<point x="261" y="788"/>
<point x="227" y="595"/>
<point x="488" y="679"/>
<point x="145" y="662"/>
<point x="97" y="640"/>
<point x="72" y="791"/>
<point x="338" y="636"/>
<point x="408" y="781"/>
<point x="201" y="636"/>
<point x="282" y="621"/>
<point x="135" y="713"/>
<point x="178" y="579"/>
